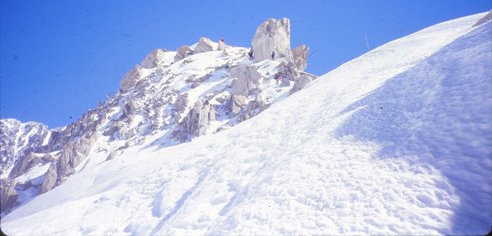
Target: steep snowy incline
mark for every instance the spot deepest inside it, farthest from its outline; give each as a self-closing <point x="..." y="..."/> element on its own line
<point x="396" y="141"/>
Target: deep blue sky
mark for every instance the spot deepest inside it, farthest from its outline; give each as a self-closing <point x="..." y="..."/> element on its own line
<point x="60" y="58"/>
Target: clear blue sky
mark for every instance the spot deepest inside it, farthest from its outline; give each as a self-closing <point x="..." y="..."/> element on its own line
<point x="60" y="58"/>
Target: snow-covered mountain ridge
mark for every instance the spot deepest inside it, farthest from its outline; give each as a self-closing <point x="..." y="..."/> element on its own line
<point x="396" y="141"/>
<point x="170" y="98"/>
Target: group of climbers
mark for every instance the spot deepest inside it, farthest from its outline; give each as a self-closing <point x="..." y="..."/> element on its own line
<point x="251" y="54"/>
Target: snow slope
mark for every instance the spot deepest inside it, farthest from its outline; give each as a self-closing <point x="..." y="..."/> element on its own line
<point x="397" y="141"/>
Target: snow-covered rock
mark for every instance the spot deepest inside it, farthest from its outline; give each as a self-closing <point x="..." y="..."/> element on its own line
<point x="18" y="139"/>
<point x="272" y="40"/>
<point x="131" y="78"/>
<point x="23" y="164"/>
<point x="246" y="79"/>
<point x="183" y="52"/>
<point x="159" y="57"/>
<point x="205" y="45"/>
<point x="300" y="83"/>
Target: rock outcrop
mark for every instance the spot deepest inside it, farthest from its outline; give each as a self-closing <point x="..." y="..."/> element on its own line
<point x="50" y="178"/>
<point x="204" y="45"/>
<point x="236" y="103"/>
<point x="8" y="195"/>
<point x="180" y="106"/>
<point x="196" y="122"/>
<point x="272" y="40"/>
<point x="300" y="55"/>
<point x="24" y="164"/>
<point x="183" y="52"/>
<point x="300" y="83"/>
<point x="71" y="155"/>
<point x="131" y="78"/>
<point x="253" y="108"/>
<point x="246" y="79"/>
<point x="159" y="57"/>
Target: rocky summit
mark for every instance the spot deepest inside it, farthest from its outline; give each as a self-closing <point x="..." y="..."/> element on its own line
<point x="171" y="97"/>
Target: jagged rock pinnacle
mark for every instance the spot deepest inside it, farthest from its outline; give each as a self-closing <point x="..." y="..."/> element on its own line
<point x="272" y="40"/>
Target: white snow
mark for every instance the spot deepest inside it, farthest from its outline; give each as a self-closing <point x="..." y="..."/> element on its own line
<point x="397" y="141"/>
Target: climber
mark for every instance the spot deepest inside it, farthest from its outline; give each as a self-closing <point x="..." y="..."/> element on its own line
<point x="273" y="55"/>
<point x="251" y="54"/>
<point x="277" y="77"/>
<point x="222" y="45"/>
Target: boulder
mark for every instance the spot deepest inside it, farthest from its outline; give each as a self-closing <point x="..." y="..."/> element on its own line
<point x="272" y="37"/>
<point x="183" y="52"/>
<point x="300" y="55"/>
<point x="8" y="195"/>
<point x="49" y="178"/>
<point x="204" y="45"/>
<point x="158" y="57"/>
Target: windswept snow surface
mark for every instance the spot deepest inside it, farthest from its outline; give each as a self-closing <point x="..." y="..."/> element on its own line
<point x="397" y="141"/>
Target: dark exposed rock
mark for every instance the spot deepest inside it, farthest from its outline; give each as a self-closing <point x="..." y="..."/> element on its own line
<point x="8" y="195"/>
